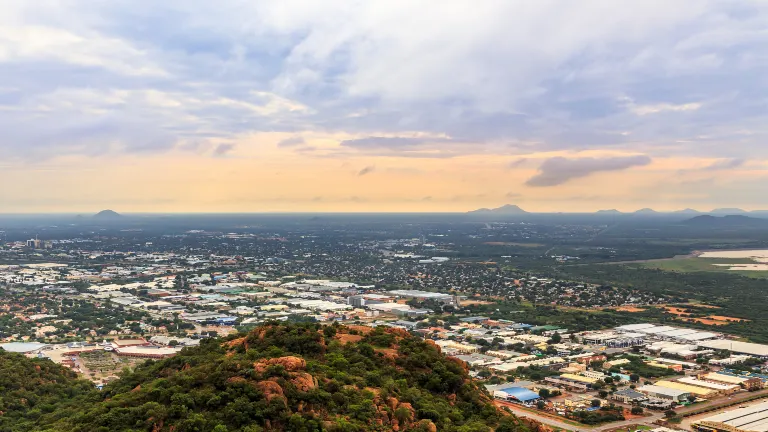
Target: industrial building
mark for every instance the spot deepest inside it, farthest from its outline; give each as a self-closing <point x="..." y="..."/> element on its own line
<point x="23" y="347"/>
<point x="753" y="349"/>
<point x="628" y="396"/>
<point x="687" y="388"/>
<point x="749" y="419"/>
<point x="664" y="393"/>
<point x="425" y="295"/>
<point x="749" y="383"/>
<point x="718" y="387"/>
<point x="517" y="394"/>
<point x="567" y="383"/>
<point x="668" y="333"/>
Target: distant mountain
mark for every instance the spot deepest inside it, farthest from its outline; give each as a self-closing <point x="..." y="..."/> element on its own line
<point x="107" y="214"/>
<point x="726" y="221"/>
<point x="508" y="209"/>
<point x="646" y="211"/>
<point x="608" y="212"/>
<point x="727" y="211"/>
<point x="687" y="211"/>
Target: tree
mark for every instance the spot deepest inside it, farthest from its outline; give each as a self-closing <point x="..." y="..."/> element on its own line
<point x="603" y="394"/>
<point x="669" y="413"/>
<point x="634" y="378"/>
<point x="691" y="398"/>
<point x="595" y="403"/>
<point x="637" y="410"/>
<point x="403" y="415"/>
<point x="541" y="404"/>
<point x="555" y="339"/>
<point x="544" y="393"/>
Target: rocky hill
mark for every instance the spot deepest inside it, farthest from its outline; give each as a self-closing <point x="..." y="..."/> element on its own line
<point x="293" y="377"/>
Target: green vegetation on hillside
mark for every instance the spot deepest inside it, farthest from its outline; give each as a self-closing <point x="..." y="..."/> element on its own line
<point x="289" y="377"/>
<point x="31" y="389"/>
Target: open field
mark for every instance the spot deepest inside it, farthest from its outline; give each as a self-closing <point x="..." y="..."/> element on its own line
<point x="633" y="309"/>
<point x="693" y="264"/>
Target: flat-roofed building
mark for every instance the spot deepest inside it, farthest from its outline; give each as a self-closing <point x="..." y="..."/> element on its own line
<point x="628" y="396"/>
<point x="754" y="349"/>
<point x="718" y="387"/>
<point x="749" y="419"/>
<point x="594" y="374"/>
<point x="579" y="378"/>
<point x="616" y="362"/>
<point x="664" y="393"/>
<point x="749" y="383"/>
<point x="151" y="352"/>
<point x="635" y="327"/>
<point x="566" y="383"/>
<point x="694" y="390"/>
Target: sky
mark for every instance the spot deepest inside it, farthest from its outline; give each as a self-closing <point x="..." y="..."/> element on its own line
<point x="382" y="105"/>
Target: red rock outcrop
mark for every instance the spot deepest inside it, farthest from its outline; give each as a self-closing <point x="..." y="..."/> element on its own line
<point x="304" y="381"/>
<point x="271" y="389"/>
<point x="290" y="363"/>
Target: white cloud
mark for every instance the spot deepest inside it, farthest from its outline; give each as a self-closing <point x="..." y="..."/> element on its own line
<point x="521" y="76"/>
<point x="46" y="44"/>
<point x="653" y="109"/>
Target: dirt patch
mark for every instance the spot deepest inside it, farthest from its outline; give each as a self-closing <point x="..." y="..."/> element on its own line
<point x="348" y="338"/>
<point x="708" y="321"/>
<point x="361" y="329"/>
<point x="388" y="352"/>
<point x="717" y="320"/>
<point x="726" y="318"/>
<point x="633" y="309"/>
<point x="675" y="311"/>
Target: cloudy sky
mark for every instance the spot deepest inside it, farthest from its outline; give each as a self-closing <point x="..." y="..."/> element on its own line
<point x="297" y="105"/>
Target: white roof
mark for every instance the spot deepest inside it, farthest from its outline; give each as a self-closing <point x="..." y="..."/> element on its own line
<point x="22" y="347"/>
<point x="633" y="335"/>
<point x="659" y="329"/>
<point x="714" y="376"/>
<point x="143" y="350"/>
<point x="739" y="347"/>
<point x="754" y="418"/>
<point x="700" y="336"/>
<point x="706" y="384"/>
<point x="677" y="332"/>
<point x="635" y="327"/>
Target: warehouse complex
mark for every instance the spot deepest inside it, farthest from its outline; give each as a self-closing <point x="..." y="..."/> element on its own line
<point x="750" y="419"/>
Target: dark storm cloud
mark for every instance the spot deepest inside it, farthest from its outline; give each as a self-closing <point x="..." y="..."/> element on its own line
<point x="558" y="170"/>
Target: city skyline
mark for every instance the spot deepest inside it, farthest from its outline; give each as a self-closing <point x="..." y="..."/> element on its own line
<point x="302" y="106"/>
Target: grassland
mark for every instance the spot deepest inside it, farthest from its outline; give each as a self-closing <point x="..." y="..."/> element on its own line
<point x="696" y="264"/>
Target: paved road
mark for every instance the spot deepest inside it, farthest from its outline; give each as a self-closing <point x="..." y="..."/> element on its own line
<point x="553" y="421"/>
<point x="547" y="420"/>
<point x="735" y="399"/>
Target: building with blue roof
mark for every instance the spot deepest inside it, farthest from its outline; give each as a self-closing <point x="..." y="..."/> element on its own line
<point x="517" y="394"/>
